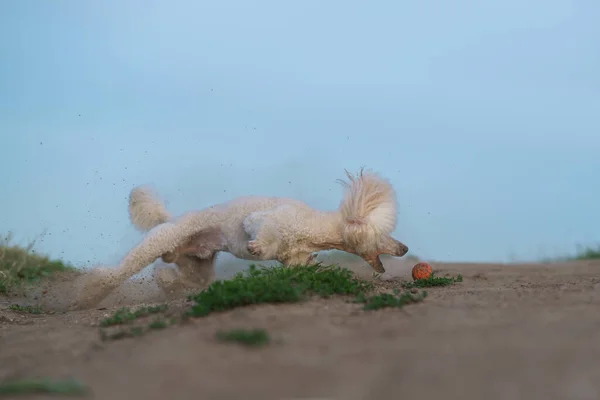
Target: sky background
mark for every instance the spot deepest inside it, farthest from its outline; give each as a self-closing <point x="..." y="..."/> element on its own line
<point x="485" y="115"/>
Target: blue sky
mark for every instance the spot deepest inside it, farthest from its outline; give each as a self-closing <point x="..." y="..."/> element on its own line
<point x="483" y="114"/>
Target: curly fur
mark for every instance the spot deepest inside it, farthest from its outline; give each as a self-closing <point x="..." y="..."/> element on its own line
<point x="259" y="228"/>
<point x="145" y="210"/>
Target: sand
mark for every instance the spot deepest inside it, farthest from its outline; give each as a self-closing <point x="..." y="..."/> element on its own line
<point x="506" y="332"/>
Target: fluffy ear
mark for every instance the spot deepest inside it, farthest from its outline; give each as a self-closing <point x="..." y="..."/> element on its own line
<point x="369" y="210"/>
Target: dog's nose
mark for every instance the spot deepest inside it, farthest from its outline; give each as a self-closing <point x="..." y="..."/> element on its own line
<point x="403" y="250"/>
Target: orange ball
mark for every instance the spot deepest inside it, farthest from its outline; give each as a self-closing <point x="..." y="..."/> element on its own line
<point x="422" y="271"/>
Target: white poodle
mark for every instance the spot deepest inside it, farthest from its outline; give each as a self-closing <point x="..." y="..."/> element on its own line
<point x="253" y="228"/>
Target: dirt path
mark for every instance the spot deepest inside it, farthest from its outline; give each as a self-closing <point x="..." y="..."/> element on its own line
<point x="507" y="332"/>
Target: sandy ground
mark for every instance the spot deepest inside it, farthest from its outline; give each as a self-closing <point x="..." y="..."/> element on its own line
<point x="507" y="332"/>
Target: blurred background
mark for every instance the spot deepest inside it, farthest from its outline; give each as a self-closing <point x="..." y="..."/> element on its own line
<point x="484" y="116"/>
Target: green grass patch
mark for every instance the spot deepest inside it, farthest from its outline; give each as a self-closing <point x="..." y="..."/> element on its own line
<point x="124" y="319"/>
<point x="433" y="281"/>
<point x="276" y="285"/>
<point x="43" y="386"/>
<point x="26" y="309"/>
<point x="122" y="333"/>
<point x="22" y="265"/>
<point x="581" y="253"/>
<point x="261" y="285"/>
<point x="588" y="253"/>
<point x="158" y="324"/>
<point x="386" y="300"/>
<point x="246" y="337"/>
<point x="125" y="315"/>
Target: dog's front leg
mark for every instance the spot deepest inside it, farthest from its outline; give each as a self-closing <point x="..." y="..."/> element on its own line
<point x="262" y="249"/>
<point x="298" y="259"/>
<point x="263" y="232"/>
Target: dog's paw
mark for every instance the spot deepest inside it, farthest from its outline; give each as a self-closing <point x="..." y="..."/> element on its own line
<point x="94" y="287"/>
<point x="254" y="248"/>
<point x="204" y="252"/>
<point x="168" y="280"/>
<point x="165" y="277"/>
<point x="312" y="259"/>
<point x="377" y="276"/>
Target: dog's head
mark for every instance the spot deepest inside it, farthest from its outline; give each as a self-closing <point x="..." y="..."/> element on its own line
<point x="369" y="215"/>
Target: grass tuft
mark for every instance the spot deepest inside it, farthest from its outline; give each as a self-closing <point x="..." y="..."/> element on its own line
<point x="158" y="324"/>
<point x="26" y="309"/>
<point x="122" y="333"/>
<point x="247" y="337"/>
<point x="581" y="253"/>
<point x="45" y="386"/>
<point x="276" y="285"/>
<point x="22" y="265"/>
<point x="125" y="319"/>
<point x="125" y="315"/>
<point x="433" y="281"/>
<point x="588" y="253"/>
<point x="386" y="300"/>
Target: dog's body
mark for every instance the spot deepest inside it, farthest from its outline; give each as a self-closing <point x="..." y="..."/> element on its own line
<point x="256" y="228"/>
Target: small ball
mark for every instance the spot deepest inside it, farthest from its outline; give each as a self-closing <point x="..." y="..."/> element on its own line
<point x="422" y="271"/>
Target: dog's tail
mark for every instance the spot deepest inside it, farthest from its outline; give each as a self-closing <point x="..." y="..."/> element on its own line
<point x="145" y="209"/>
<point x="369" y="210"/>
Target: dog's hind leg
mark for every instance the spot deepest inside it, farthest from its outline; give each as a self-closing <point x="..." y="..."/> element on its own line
<point x="162" y="239"/>
<point x="192" y="275"/>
